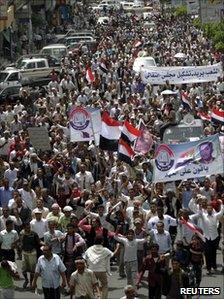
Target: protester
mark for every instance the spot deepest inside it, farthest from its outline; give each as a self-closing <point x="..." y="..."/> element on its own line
<point x="83" y="282"/>
<point x="102" y="181"/>
<point x="8" y="272"/>
<point x="50" y="267"/>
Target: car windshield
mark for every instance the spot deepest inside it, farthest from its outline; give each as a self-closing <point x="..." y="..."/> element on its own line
<point x="180" y="134"/>
<point x="3" y="76"/>
<point x="20" y="64"/>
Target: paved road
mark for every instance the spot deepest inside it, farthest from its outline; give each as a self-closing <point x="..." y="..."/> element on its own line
<point x="117" y="284"/>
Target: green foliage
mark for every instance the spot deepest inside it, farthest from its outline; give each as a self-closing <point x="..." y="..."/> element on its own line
<point x="180" y="11"/>
<point x="197" y="23"/>
<point x="219" y="47"/>
<point x="215" y="32"/>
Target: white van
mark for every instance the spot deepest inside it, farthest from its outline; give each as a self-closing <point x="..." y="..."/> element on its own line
<point x="77" y="39"/>
<point x="56" y="50"/>
<point x="145" y="62"/>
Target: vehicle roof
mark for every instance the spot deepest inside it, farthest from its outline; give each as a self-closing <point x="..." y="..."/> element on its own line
<point x="33" y="59"/>
<point x="54" y="46"/>
<point x="10" y="70"/>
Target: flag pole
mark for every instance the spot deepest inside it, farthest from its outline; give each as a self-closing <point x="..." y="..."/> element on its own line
<point x="96" y="152"/>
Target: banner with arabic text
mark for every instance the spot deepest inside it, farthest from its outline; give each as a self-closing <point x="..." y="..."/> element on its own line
<point x="195" y="159"/>
<point x="181" y="75"/>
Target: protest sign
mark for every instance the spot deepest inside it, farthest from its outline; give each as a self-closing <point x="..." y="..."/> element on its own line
<point x="181" y="75"/>
<point x="143" y="143"/>
<point x="39" y="138"/>
<point x="196" y="159"/>
<point x="84" y="124"/>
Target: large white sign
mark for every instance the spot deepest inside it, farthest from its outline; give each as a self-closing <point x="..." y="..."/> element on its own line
<point x="181" y="75"/>
<point x="84" y="123"/>
<point x="173" y="162"/>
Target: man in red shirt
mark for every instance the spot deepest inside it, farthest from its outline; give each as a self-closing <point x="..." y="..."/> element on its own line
<point x="156" y="266"/>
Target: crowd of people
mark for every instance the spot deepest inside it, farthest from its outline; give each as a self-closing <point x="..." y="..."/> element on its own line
<point x="71" y="212"/>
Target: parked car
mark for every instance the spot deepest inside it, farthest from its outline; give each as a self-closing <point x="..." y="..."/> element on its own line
<point x="55" y="50"/>
<point x="34" y="67"/>
<point x="145" y="62"/>
<point x="77" y="39"/>
<point x="10" y="93"/>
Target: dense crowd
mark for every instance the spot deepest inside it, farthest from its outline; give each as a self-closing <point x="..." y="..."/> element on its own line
<point x="59" y="208"/>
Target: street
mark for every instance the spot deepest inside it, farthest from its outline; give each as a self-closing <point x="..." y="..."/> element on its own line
<point x="116" y="286"/>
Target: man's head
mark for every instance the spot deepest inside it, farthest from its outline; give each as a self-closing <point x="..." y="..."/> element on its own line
<point x="130" y="234"/>
<point x="175" y="264"/>
<point x="160" y="227"/>
<point x="209" y="209"/>
<point x="80" y="264"/>
<point x="154" y="249"/>
<point x="100" y="210"/>
<point x="9" y="225"/>
<point x="70" y="228"/>
<point x="160" y="212"/>
<point x="98" y="240"/>
<point x="47" y="251"/>
<point x="67" y="211"/>
<point x="5" y="212"/>
<point x="27" y="227"/>
<point x="82" y="168"/>
<point x="38" y="214"/>
<point x="129" y="291"/>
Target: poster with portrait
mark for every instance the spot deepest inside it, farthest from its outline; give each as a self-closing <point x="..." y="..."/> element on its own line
<point x="144" y="142"/>
<point x="196" y="159"/>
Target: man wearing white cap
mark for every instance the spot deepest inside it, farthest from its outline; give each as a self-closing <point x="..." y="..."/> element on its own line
<point x="65" y="219"/>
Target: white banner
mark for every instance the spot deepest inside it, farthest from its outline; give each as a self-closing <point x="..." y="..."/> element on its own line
<point x="84" y="124"/>
<point x="181" y="75"/>
<point x="195" y="159"/>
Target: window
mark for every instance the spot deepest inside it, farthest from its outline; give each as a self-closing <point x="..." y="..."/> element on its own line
<point x="30" y="66"/>
<point x="41" y="64"/>
<point x="14" y="77"/>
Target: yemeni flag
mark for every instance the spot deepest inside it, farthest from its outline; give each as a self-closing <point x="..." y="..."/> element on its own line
<point x="125" y="152"/>
<point x="89" y="75"/>
<point x="137" y="44"/>
<point x="217" y="116"/>
<point x="193" y="228"/>
<point x="204" y="116"/>
<point x="103" y="67"/>
<point x="110" y="133"/>
<point x="186" y="101"/>
<point x="129" y="133"/>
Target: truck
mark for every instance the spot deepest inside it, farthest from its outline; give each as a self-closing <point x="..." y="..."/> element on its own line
<point x="28" y="71"/>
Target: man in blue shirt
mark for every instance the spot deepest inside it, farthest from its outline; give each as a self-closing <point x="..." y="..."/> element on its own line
<point x="6" y="193"/>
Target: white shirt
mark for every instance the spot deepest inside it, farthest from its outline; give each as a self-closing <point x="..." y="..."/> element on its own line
<point x="100" y="260"/>
<point x="16" y="221"/>
<point x="29" y="198"/>
<point x="83" y="283"/>
<point x="130" y="248"/>
<point x="210" y="224"/>
<point x="39" y="227"/>
<point x="167" y="220"/>
<point x="163" y="240"/>
<point x="84" y="180"/>
<point x="50" y="271"/>
<point x="7" y="238"/>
